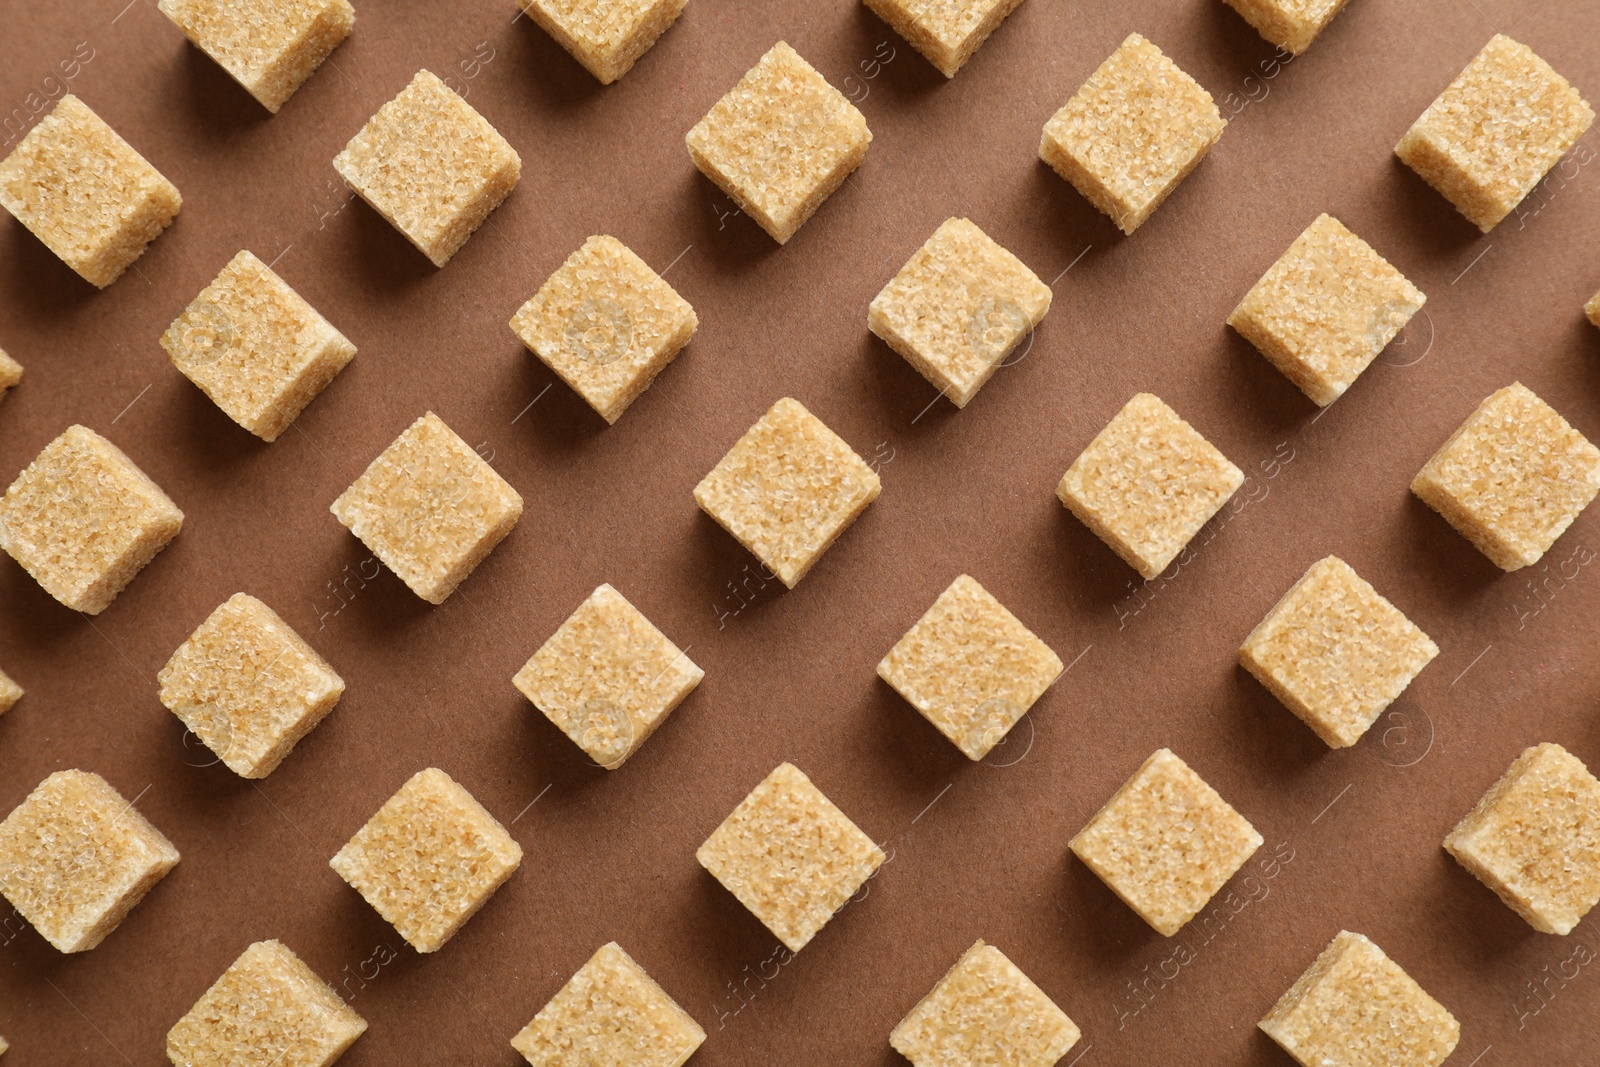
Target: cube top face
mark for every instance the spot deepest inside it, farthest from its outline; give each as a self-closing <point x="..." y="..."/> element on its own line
<point x="1512" y="478"/>
<point x="970" y="667"/>
<point x="606" y="323"/>
<point x="75" y="857"/>
<point x="1496" y="131"/>
<point x="1325" y="309"/>
<point x="985" y="1011"/>
<point x="429" y="859"/>
<point x="1355" y="1007"/>
<point x="430" y="508"/>
<point x="780" y="141"/>
<point x="1166" y="842"/>
<point x="267" y="1010"/>
<point x="83" y="520"/>
<point x="1335" y="652"/>
<point x="259" y="351"/>
<point x="790" y="856"/>
<point x="606" y="36"/>
<point x="431" y="165"/>
<point x="269" y="46"/>
<point x="607" y="677"/>
<point x="958" y="308"/>
<point x="10" y="372"/>
<point x="10" y="693"/>
<point x="1147" y="483"/>
<point x="947" y="33"/>
<point x="611" y="1011"/>
<point x="787" y="489"/>
<point x="1290" y="24"/>
<point x="1534" y="839"/>
<point x="84" y="192"/>
<point x="1132" y="132"/>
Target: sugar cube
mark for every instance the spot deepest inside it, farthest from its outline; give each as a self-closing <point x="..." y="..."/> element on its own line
<point x="10" y="373"/>
<point x="1592" y="309"/>
<point x="1290" y="24"/>
<point x="606" y="36"/>
<point x="269" y="46"/>
<point x="946" y="34"/>
<point x="3" y="1046"/>
<point x="10" y="693"/>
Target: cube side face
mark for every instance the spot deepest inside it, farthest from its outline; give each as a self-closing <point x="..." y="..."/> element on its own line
<point x="1290" y="24"/>
<point x="11" y="370"/>
<point x="10" y="693"/>
<point x="607" y="38"/>
<point x="946" y="34"/>
<point x="270" y="47"/>
<point x="1592" y="309"/>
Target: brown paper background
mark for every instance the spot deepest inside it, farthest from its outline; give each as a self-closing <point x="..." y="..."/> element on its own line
<point x="978" y="851"/>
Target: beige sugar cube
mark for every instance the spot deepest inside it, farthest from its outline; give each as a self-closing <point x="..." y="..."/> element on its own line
<point x="430" y="508"/>
<point x="958" y="307"/>
<point x="1290" y="24"/>
<point x="248" y="686"/>
<point x="269" y="46"/>
<point x="790" y="856"/>
<point x="610" y="1012"/>
<point x="787" y="489"/>
<point x="947" y="34"/>
<point x="255" y="347"/>
<point x="1147" y="483"/>
<point x="3" y="1046"/>
<point x="83" y="520"/>
<point x="1335" y="652"/>
<point x="10" y="373"/>
<point x="780" y="142"/>
<point x="607" y="324"/>
<point x="267" y="1010"/>
<point x="1592" y="309"/>
<point x="10" y="693"/>
<point x="429" y="859"/>
<point x="75" y="857"/>
<point x="1325" y="309"/>
<point x="1534" y="839"/>
<point x="431" y="165"/>
<point x="1355" y="1007"/>
<point x="1496" y="131"/>
<point x="606" y="36"/>
<point x="1512" y="478"/>
<point x="84" y="192"/>
<point x="1132" y="132"/>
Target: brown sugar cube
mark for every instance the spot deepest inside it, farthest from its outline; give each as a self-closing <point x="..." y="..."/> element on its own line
<point x="1534" y="839"/>
<point x="1592" y="309"/>
<point x="780" y="142"/>
<point x="83" y="520"/>
<point x="1355" y="1007"/>
<point x="787" y="489"/>
<point x="10" y="373"/>
<point x="267" y="1009"/>
<point x="248" y="686"/>
<point x="607" y="324"/>
<point x="84" y="192"/>
<point x="610" y="1012"/>
<point x="1496" y="131"/>
<point x="258" y="350"/>
<point x="430" y="507"/>
<point x="431" y="165"/>
<point x="946" y="34"/>
<point x="429" y="859"/>
<point x="1147" y="483"/>
<point x="10" y="693"/>
<point x="1132" y="132"/>
<point x="1512" y="478"/>
<point x="1325" y="309"/>
<point x="1290" y="24"/>
<point x="958" y="307"/>
<point x="606" y="36"/>
<point x="269" y="46"/>
<point x="75" y="858"/>
<point x="790" y="856"/>
<point x="1335" y="652"/>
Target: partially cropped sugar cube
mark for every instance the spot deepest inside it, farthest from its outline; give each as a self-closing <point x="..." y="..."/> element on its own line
<point x="970" y="667"/>
<point x="1592" y="309"/>
<point x="946" y="34"/>
<point x="1534" y="839"/>
<point x="1325" y="309"/>
<point x="75" y="857"/>
<point x="3" y="1046"/>
<point x="10" y="693"/>
<point x="10" y="373"/>
<point x="1147" y="483"/>
<point x="430" y="508"/>
<point x="268" y="1008"/>
<point x="1290" y="24"/>
<point x="1335" y="652"/>
<point x="429" y="859"/>
<point x="255" y="347"/>
<point x="431" y="165"/>
<point x="84" y="192"/>
<point x="790" y="856"/>
<point x="958" y="307"/>
<point x="608" y="678"/>
<point x="1512" y="478"/>
<point x="780" y="142"/>
<point x="606" y="36"/>
<point x="607" y="324"/>
<point x="1356" y="1007"/>
<point x="611" y="1011"/>
<point x="269" y="46"/>
<point x="787" y="489"/>
<point x="1496" y="131"/>
<point x="1132" y="132"/>
<point x="83" y="520"/>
